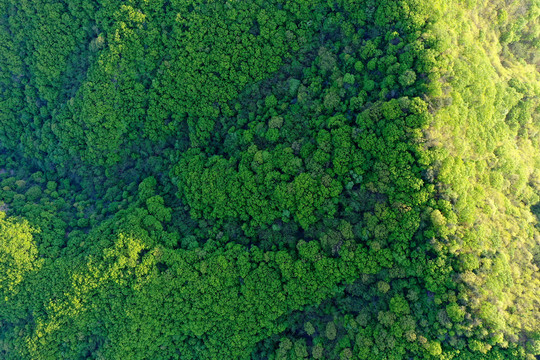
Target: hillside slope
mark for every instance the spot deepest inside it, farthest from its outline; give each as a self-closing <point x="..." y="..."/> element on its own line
<point x="269" y="179"/>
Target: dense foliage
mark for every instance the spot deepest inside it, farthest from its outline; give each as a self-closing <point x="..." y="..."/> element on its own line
<point x="269" y="179"/>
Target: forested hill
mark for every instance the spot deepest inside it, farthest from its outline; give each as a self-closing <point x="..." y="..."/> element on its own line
<point x="270" y="179"/>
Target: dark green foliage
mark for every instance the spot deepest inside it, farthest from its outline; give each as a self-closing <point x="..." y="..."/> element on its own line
<point x="269" y="179"/>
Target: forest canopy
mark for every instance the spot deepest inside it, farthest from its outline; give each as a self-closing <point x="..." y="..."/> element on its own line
<point x="269" y="179"/>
